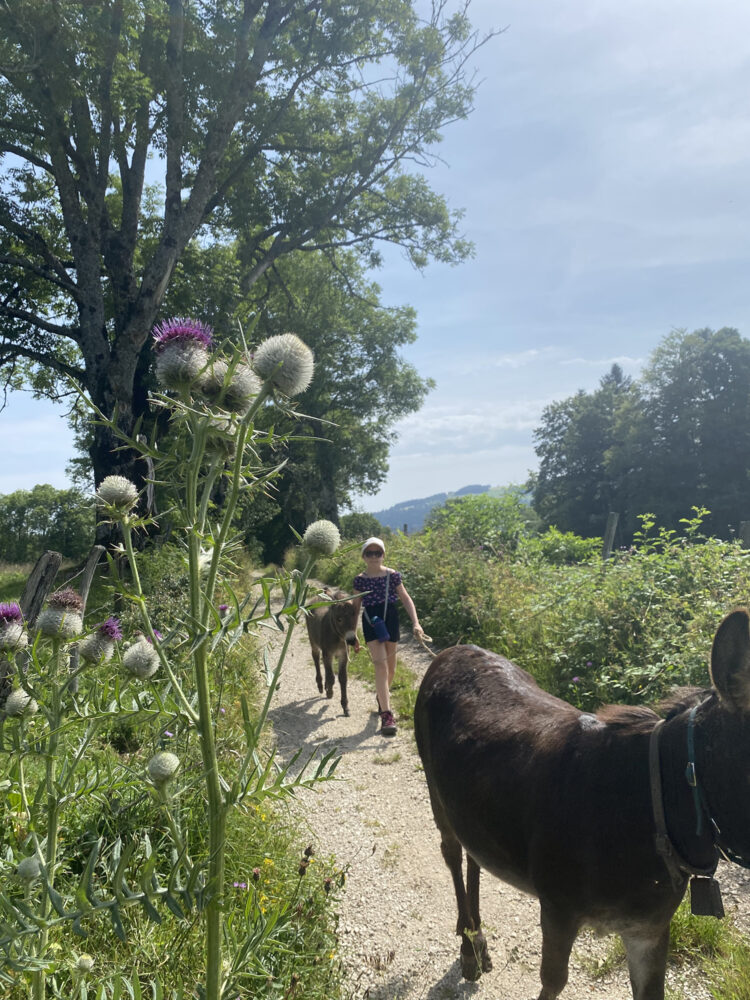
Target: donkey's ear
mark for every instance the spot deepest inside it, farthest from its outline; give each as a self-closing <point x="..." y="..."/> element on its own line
<point x="357" y="602"/>
<point x="730" y="660"/>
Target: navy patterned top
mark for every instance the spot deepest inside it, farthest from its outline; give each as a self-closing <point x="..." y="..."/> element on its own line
<point x="376" y="586"/>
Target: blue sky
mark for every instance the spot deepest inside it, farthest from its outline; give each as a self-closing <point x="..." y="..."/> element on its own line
<point x="604" y="176"/>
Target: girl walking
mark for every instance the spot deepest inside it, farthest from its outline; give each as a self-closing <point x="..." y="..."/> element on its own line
<point x="382" y="587"/>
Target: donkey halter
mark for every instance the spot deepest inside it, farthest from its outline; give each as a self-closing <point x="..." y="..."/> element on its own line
<point x="676" y="865"/>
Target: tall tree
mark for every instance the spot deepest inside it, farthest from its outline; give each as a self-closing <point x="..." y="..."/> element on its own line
<point x="283" y="126"/>
<point x="361" y="386"/>
<point x="689" y="443"/>
<point x="574" y="489"/>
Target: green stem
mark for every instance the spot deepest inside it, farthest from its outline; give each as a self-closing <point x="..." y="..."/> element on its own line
<point x="38" y="982"/>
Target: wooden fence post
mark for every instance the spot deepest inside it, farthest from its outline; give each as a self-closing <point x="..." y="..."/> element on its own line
<point x="609" y="535"/>
<point x="93" y="560"/>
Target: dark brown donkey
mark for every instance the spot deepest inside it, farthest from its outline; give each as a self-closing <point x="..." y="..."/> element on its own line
<point x="601" y="817"/>
<point x="330" y="629"/>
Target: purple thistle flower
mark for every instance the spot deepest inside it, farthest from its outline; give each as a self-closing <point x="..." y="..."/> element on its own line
<point x="576" y="680"/>
<point x="110" y="629"/>
<point x="10" y="612"/>
<point x="66" y="599"/>
<point x="223" y="608"/>
<point x="182" y="329"/>
<point x="157" y="633"/>
<point x="167" y="733"/>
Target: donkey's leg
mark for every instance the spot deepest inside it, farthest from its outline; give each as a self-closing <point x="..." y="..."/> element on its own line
<point x="451" y="850"/>
<point x="472" y="891"/>
<point x="343" y="659"/>
<point x="647" y="962"/>
<point x="316" y="661"/>
<point x="558" y="934"/>
<point x="328" y="666"/>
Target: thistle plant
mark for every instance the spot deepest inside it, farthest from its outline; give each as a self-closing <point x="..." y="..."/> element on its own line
<point x="169" y="680"/>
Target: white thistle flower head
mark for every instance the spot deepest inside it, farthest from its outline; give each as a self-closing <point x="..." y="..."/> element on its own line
<point x="20" y="702"/>
<point x="162" y="767"/>
<point x="322" y="538"/>
<point x="85" y="962"/>
<point x="28" y="870"/>
<point x="100" y="645"/>
<point x="141" y="658"/>
<point x="63" y="616"/>
<point x="117" y="492"/>
<point x="233" y="393"/>
<point x="286" y="362"/>
<point x="181" y="365"/>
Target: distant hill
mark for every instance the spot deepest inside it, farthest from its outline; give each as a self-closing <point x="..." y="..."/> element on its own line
<point x="413" y="513"/>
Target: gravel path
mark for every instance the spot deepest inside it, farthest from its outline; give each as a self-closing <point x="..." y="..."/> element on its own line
<point x="398" y="915"/>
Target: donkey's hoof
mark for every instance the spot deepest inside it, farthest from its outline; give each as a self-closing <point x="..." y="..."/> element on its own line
<point x="346" y="709"/>
<point x="329" y="692"/>
<point x="320" y="686"/>
<point x="470" y="967"/>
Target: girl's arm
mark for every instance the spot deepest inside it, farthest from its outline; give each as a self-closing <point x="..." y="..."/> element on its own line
<point x="411" y="611"/>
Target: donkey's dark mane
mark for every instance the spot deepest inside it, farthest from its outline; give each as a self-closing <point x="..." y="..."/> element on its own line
<point x="681" y="699"/>
<point x="641" y="719"/>
<point x="631" y="718"/>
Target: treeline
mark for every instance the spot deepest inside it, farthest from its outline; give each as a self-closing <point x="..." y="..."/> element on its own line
<point x="677" y="437"/>
<point x="45" y="518"/>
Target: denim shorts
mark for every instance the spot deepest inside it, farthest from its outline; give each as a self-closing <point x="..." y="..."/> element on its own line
<point x="390" y="618"/>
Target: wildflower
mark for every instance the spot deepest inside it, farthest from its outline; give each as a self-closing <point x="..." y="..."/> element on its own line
<point x="12" y="633"/>
<point x="256" y="874"/>
<point x="327" y="885"/>
<point x="117" y="493"/>
<point x="309" y="851"/>
<point x="233" y="393"/>
<point x="322" y="538"/>
<point x="20" y="702"/>
<point x="240" y="885"/>
<point x="589" y="663"/>
<point x="302" y="870"/>
<point x="286" y="362"/>
<point x="162" y="767"/>
<point x="85" y="963"/>
<point x="157" y="633"/>
<point x="99" y="646"/>
<point x="141" y="658"/>
<point x="182" y="346"/>
<point x="28" y="870"/>
<point x="63" y="617"/>
<point x="576" y="680"/>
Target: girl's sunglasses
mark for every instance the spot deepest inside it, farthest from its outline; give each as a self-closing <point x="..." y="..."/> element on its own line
<point x="372" y="553"/>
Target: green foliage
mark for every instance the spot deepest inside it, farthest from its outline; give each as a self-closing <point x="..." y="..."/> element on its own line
<point x="664" y="443"/>
<point x="359" y="525"/>
<point x="32" y="521"/>
<point x="492" y="524"/>
<point x="360" y="388"/>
